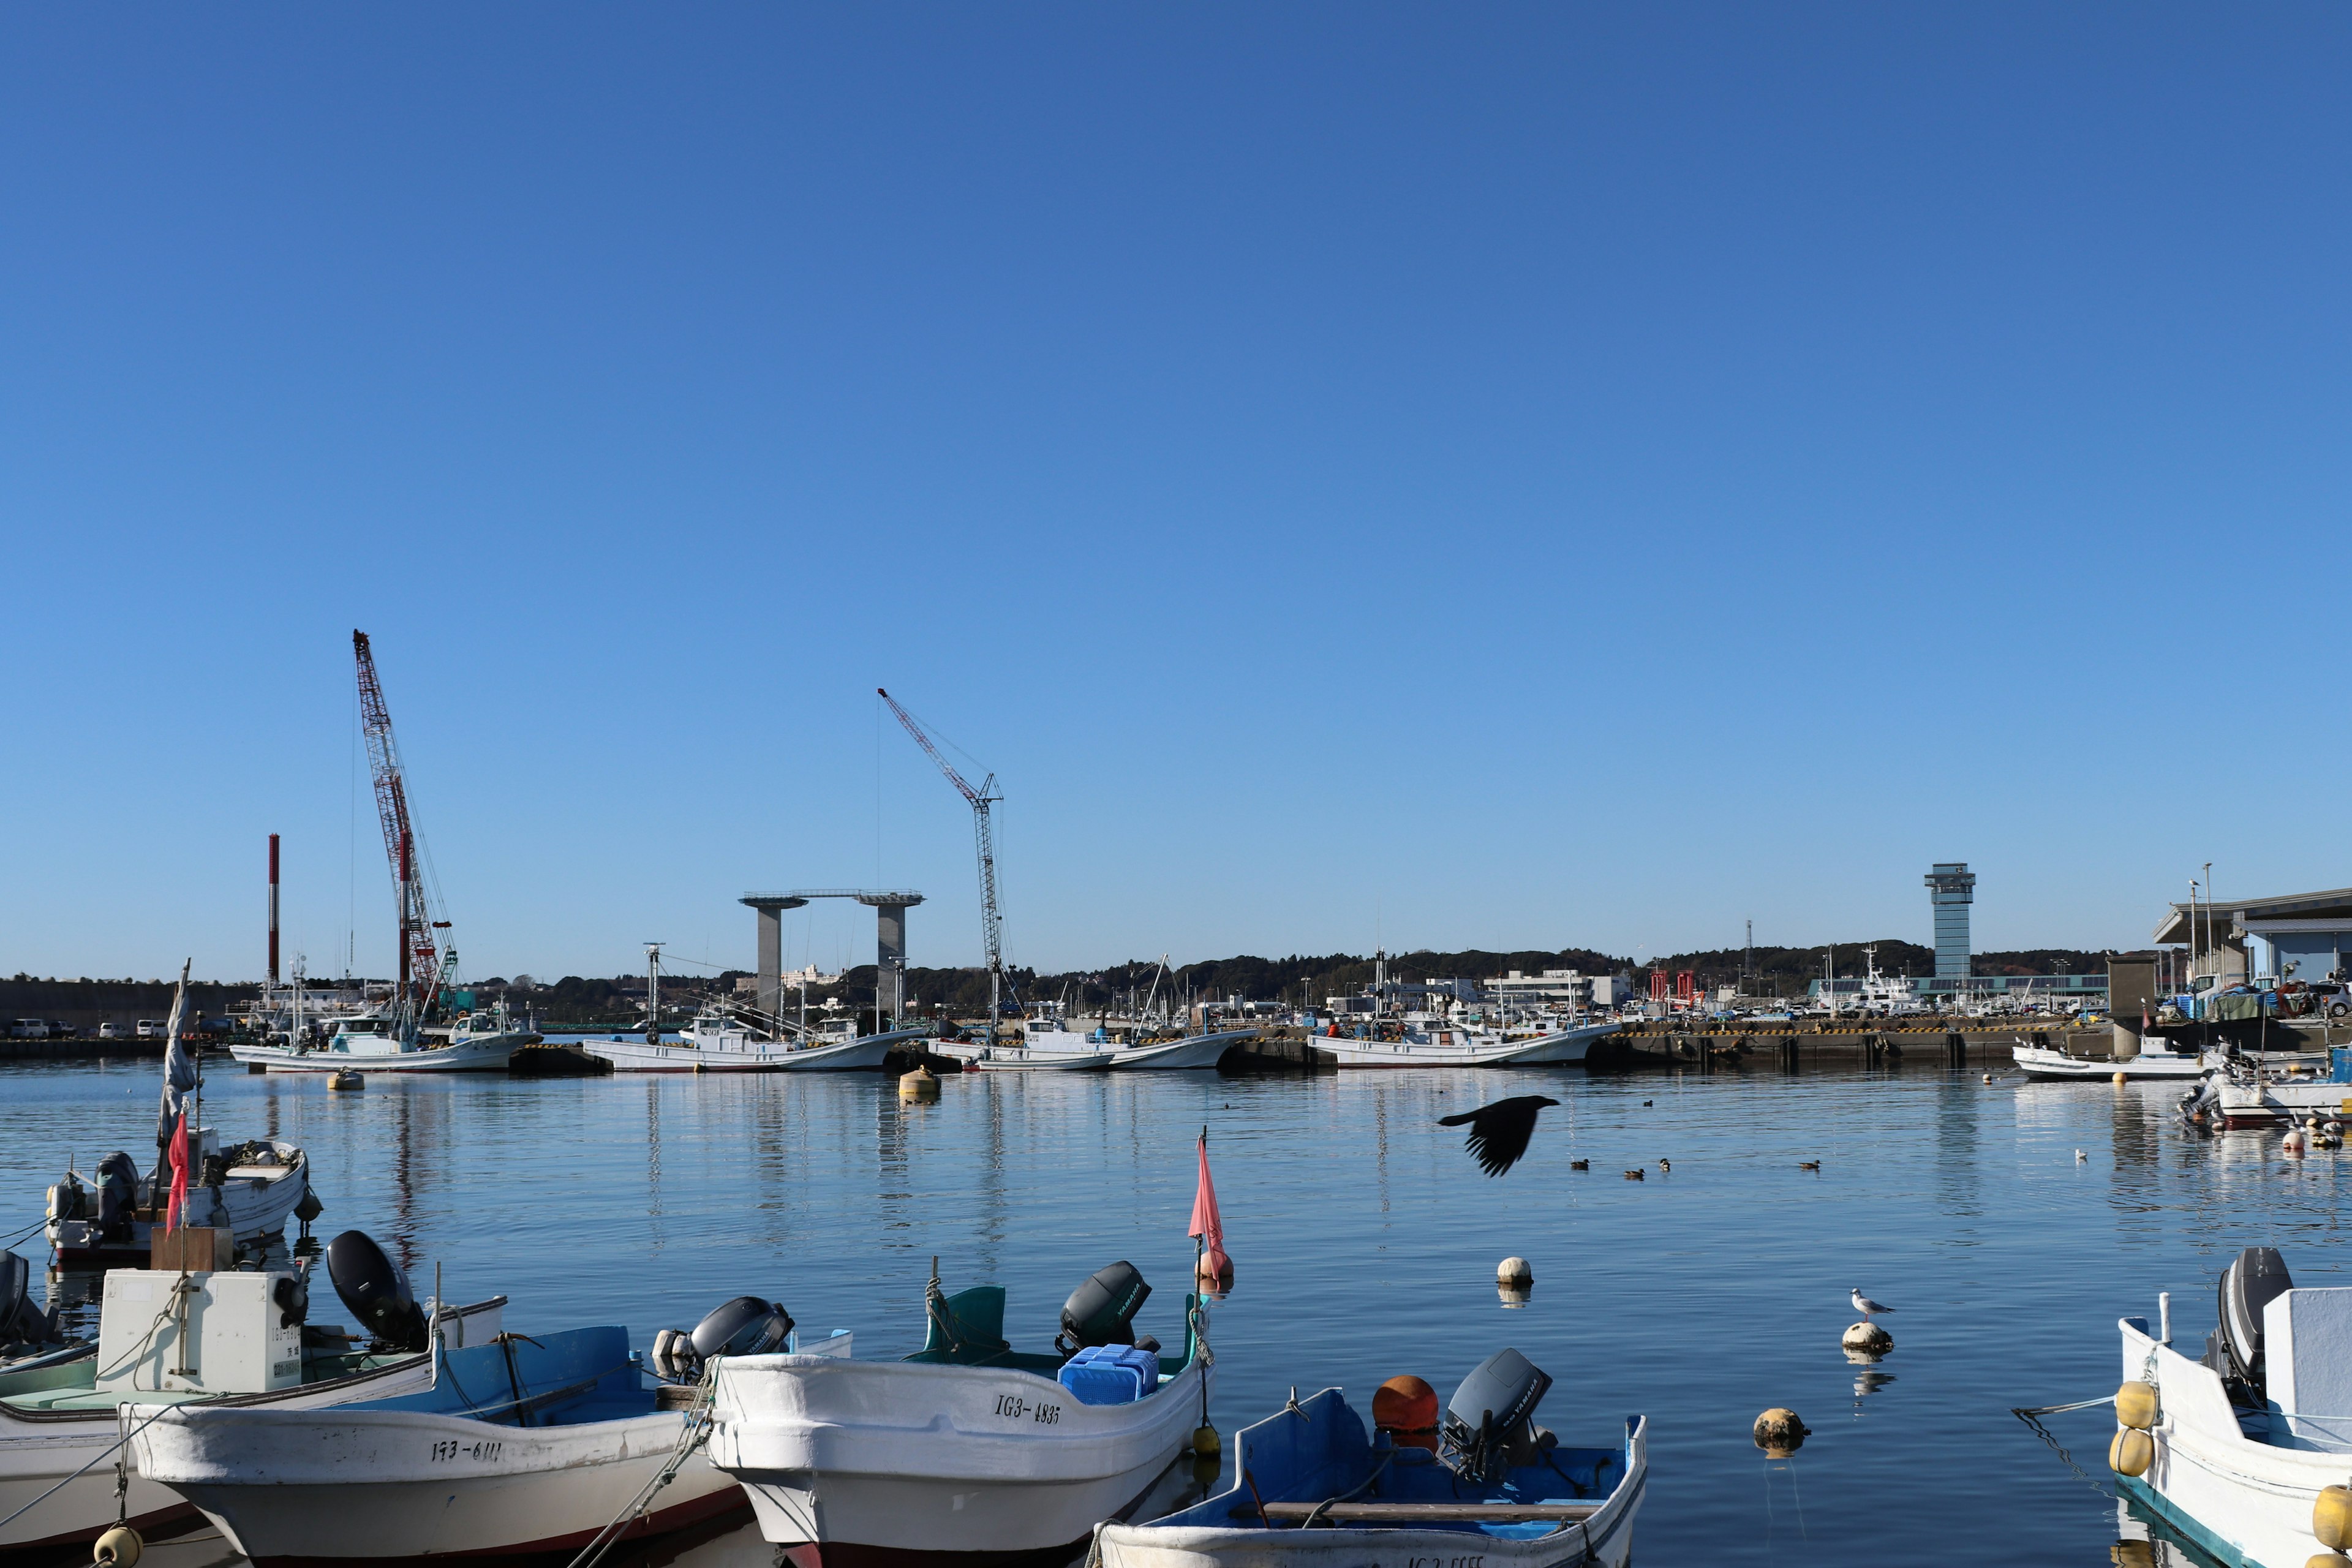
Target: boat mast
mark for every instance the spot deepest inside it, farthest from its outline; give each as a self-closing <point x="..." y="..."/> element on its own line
<point x="653" y="993"/>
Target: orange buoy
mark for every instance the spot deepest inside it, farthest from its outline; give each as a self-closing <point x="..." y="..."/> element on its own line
<point x="1406" y="1409"/>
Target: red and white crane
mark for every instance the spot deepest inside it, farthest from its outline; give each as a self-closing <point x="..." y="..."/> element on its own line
<point x="422" y="961"/>
<point x="992" y="926"/>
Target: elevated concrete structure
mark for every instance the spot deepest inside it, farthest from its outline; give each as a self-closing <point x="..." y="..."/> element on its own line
<point x="1951" y="889"/>
<point x="889" y="907"/>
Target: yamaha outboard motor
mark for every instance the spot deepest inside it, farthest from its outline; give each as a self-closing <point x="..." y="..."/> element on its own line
<point x="376" y="1291"/>
<point x="1489" y="1427"/>
<point x="23" y="1326"/>
<point x="1102" y="1310"/>
<point x="2235" y="1347"/>
<point x="118" y="1197"/>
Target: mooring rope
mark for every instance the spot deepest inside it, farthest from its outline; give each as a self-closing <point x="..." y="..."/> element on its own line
<point x="2032" y="1418"/>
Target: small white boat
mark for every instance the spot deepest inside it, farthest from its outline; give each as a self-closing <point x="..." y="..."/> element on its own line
<point x="968" y="1446"/>
<point x="1559" y="1047"/>
<point x="538" y="1444"/>
<point x="1416" y="1048"/>
<point x="1508" y="1496"/>
<point x="1020" y="1058"/>
<point x="108" y="1219"/>
<point x="60" y="1415"/>
<point x="2155" y="1061"/>
<point x="375" y="1044"/>
<point x="2234" y="1450"/>
<point x="717" y="1044"/>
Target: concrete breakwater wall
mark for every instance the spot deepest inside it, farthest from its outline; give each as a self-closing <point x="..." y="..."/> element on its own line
<point x="86" y="1003"/>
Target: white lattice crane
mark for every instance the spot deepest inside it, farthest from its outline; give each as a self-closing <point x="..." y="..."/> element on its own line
<point x="991" y="925"/>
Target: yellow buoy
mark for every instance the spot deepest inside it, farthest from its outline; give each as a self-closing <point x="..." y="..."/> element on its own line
<point x="2122" y="1077"/>
<point x="118" y="1548"/>
<point x="1780" y="1433"/>
<point x="2327" y="1559"/>
<point x="1205" y="1440"/>
<point x="2331" y="1518"/>
<point x="2136" y="1404"/>
<point x="920" y="1084"/>
<point x="346" y="1079"/>
<point x="2131" y="1452"/>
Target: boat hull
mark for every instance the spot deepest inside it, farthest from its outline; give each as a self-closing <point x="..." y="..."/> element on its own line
<point x="1019" y="1060"/>
<point x="2240" y="1499"/>
<point x="1566" y="1047"/>
<point x="2276" y="1099"/>
<point x="865" y="1461"/>
<point x="41" y="1448"/>
<point x="345" y="1486"/>
<point x="483" y="1052"/>
<point x="1193" y="1052"/>
<point x="1606" y="1538"/>
<point x="1347" y="1052"/>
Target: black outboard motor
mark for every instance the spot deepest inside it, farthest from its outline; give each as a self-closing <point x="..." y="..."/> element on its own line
<point x="2234" y="1348"/>
<point x="23" y="1326"/>
<point x="118" y="1197"/>
<point x="1489" y="1428"/>
<point x="744" y="1326"/>
<point x="1102" y="1310"/>
<point x="376" y="1291"/>
<point x="747" y="1325"/>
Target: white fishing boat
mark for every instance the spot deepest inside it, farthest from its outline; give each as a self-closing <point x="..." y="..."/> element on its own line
<point x="108" y="1218"/>
<point x="1408" y="1043"/>
<point x="967" y="1447"/>
<point x="2248" y="1091"/>
<point x="2156" y="1060"/>
<point x="1484" y="1487"/>
<point x="2245" y="1451"/>
<point x="379" y="1043"/>
<point x="249" y="1190"/>
<point x="540" y="1444"/>
<point x="227" y="1340"/>
<point x="1186" y="1051"/>
<point x="716" y="1043"/>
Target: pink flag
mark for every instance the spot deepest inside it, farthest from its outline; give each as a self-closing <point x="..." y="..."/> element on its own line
<point x="1206" y="1225"/>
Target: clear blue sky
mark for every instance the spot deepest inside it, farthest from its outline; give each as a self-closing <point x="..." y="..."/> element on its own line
<point x="1510" y="477"/>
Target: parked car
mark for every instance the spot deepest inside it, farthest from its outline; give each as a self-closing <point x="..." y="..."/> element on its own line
<point x="29" y="1029"/>
<point x="61" y="1030"/>
<point x="150" y="1028"/>
<point x="109" y="1030"/>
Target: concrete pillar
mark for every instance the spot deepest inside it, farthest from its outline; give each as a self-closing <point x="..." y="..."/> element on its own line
<point x="770" y="908"/>
<point x="771" y="960"/>
<point x="889" y="963"/>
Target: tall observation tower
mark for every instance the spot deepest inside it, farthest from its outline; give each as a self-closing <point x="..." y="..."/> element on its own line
<point x="1951" y="889"/>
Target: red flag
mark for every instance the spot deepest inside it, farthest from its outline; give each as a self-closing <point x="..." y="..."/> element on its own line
<point x="1206" y="1225"/>
<point x="178" y="1210"/>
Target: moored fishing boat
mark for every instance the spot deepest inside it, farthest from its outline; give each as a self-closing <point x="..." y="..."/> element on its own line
<point x="1186" y="1051"/>
<point x="2246" y="1450"/>
<point x="539" y="1444"/>
<point x="715" y="1043"/>
<point x="1312" y="1488"/>
<point x="2155" y="1061"/>
<point x="245" y="1344"/>
<point x="1020" y="1058"/>
<point x="249" y="1190"/>
<point x="378" y="1043"/>
<point x="968" y="1446"/>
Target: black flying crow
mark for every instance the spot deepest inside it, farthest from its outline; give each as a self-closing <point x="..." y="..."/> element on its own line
<point x="1499" y="1132"/>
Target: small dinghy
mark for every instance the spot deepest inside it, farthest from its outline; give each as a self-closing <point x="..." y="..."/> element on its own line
<point x="968" y="1446"/>
<point x="1487" y="1486"/>
<point x="2245" y="1449"/>
<point x="227" y="1340"/>
<point x="532" y="1445"/>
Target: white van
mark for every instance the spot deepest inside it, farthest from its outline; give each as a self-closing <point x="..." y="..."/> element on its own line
<point x="150" y="1027"/>
<point x="29" y="1029"/>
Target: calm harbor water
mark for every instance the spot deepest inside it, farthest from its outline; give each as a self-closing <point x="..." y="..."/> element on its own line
<point x="1365" y="1242"/>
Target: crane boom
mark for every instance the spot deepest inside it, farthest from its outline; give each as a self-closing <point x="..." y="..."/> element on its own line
<point x="992" y="924"/>
<point x="420" y="967"/>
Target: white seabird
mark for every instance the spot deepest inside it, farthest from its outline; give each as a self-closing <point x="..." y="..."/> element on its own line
<point x="1865" y="1306"/>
